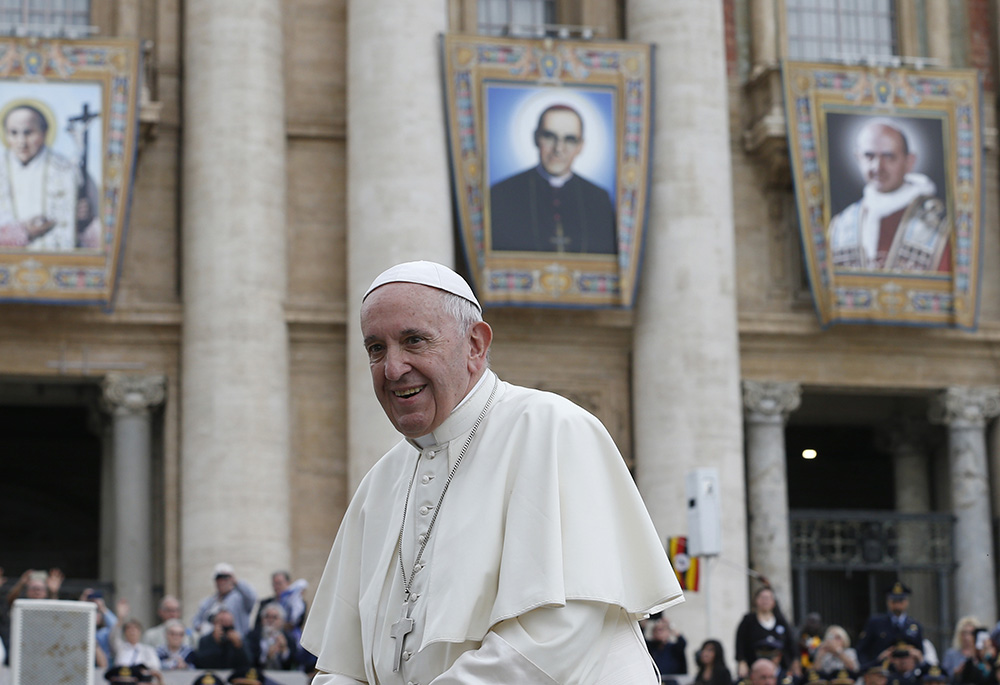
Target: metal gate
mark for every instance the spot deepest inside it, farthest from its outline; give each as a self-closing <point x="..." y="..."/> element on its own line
<point x="843" y="561"/>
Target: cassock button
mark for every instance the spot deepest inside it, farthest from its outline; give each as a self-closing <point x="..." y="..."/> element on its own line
<point x="424" y="510"/>
<point x="431" y="454"/>
<point x="418" y="567"/>
<point x="407" y="655"/>
<point x="421" y="537"/>
<point x="426" y="479"/>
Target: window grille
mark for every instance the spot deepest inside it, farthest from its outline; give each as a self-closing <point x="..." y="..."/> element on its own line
<point x="43" y="17"/>
<point x="841" y="29"/>
<point x="514" y="17"/>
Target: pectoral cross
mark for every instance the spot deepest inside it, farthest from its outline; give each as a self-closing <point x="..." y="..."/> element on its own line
<point x="560" y="240"/>
<point x="401" y="629"/>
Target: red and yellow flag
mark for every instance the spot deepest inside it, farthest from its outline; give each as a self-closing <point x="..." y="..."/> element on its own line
<point x="685" y="567"/>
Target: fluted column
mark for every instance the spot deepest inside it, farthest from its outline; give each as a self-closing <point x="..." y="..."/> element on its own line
<point x="234" y="384"/>
<point x="398" y="195"/>
<point x="130" y="400"/>
<point x="965" y="410"/>
<point x="685" y="373"/>
<point x="766" y="407"/>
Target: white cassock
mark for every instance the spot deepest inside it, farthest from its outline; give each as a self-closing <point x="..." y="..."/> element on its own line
<point x="541" y="561"/>
<point x="48" y="186"/>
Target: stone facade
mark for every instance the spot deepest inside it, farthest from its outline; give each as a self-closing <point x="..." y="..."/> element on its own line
<point x="257" y="220"/>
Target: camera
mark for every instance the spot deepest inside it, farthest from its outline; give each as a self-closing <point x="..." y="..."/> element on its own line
<point x="226" y="629"/>
<point x="982" y="639"/>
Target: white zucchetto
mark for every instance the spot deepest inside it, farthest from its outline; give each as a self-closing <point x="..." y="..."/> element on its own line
<point x="425" y="273"/>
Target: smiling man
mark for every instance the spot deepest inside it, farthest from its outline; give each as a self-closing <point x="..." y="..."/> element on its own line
<point x="549" y="208"/>
<point x="899" y="224"/>
<point x="502" y="540"/>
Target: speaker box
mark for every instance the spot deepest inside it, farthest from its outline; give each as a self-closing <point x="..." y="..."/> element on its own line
<point x="52" y="641"/>
<point x="701" y="487"/>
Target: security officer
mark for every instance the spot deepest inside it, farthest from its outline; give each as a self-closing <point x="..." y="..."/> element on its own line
<point x="883" y="631"/>
<point x="772" y="649"/>
<point x="904" y="668"/>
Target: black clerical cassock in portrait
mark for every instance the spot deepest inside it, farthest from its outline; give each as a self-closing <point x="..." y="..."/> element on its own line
<point x="530" y="213"/>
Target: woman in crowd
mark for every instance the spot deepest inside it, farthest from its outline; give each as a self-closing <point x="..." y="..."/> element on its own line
<point x="764" y="620"/>
<point x="125" y="644"/>
<point x="835" y="652"/>
<point x="963" y="645"/>
<point x="711" y="665"/>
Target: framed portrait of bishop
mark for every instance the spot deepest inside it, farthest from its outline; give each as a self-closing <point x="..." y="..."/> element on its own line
<point x="550" y="155"/>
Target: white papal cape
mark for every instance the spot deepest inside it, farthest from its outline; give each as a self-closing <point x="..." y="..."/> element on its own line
<point x="541" y="512"/>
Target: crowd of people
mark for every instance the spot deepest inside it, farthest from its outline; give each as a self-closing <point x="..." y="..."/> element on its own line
<point x="891" y="650"/>
<point x="220" y="637"/>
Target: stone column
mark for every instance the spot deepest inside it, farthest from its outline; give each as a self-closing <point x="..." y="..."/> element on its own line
<point x="965" y="410"/>
<point x="908" y="441"/>
<point x="763" y="26"/>
<point x="234" y="447"/>
<point x="686" y="393"/>
<point x="398" y="196"/>
<point x="766" y="407"/>
<point x="939" y="36"/>
<point x="130" y="400"/>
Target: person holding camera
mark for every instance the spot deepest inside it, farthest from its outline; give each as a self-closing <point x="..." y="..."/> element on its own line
<point x="223" y="648"/>
<point x="236" y="596"/>
<point x="978" y="667"/>
<point x="906" y="665"/>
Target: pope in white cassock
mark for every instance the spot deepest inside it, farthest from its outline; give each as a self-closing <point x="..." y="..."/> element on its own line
<point x="502" y="540"/>
<point x="39" y="188"/>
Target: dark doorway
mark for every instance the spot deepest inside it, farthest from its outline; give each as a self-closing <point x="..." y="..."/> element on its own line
<point x="50" y="490"/>
<point x="849" y="471"/>
<point x="849" y="542"/>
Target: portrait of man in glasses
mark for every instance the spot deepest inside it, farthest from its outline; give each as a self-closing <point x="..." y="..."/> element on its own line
<point x="549" y="208"/>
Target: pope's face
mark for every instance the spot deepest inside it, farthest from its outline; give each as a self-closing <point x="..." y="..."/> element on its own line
<point x="559" y="140"/>
<point x="882" y="159"/>
<point x="422" y="364"/>
<point x="25" y="135"/>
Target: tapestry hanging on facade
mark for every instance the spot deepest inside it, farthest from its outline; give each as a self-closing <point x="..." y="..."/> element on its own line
<point x="887" y="165"/>
<point x="69" y="114"/>
<point x="550" y="158"/>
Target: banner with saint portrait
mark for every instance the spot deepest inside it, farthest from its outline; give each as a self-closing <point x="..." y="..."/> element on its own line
<point x="550" y="158"/>
<point x="887" y="164"/>
<point x="69" y="111"/>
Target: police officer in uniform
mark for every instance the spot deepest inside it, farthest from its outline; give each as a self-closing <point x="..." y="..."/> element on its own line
<point x="904" y="667"/>
<point x="882" y="632"/>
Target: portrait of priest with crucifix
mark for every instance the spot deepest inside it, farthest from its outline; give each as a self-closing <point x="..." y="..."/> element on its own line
<point x="502" y="540"/>
<point x="48" y="202"/>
